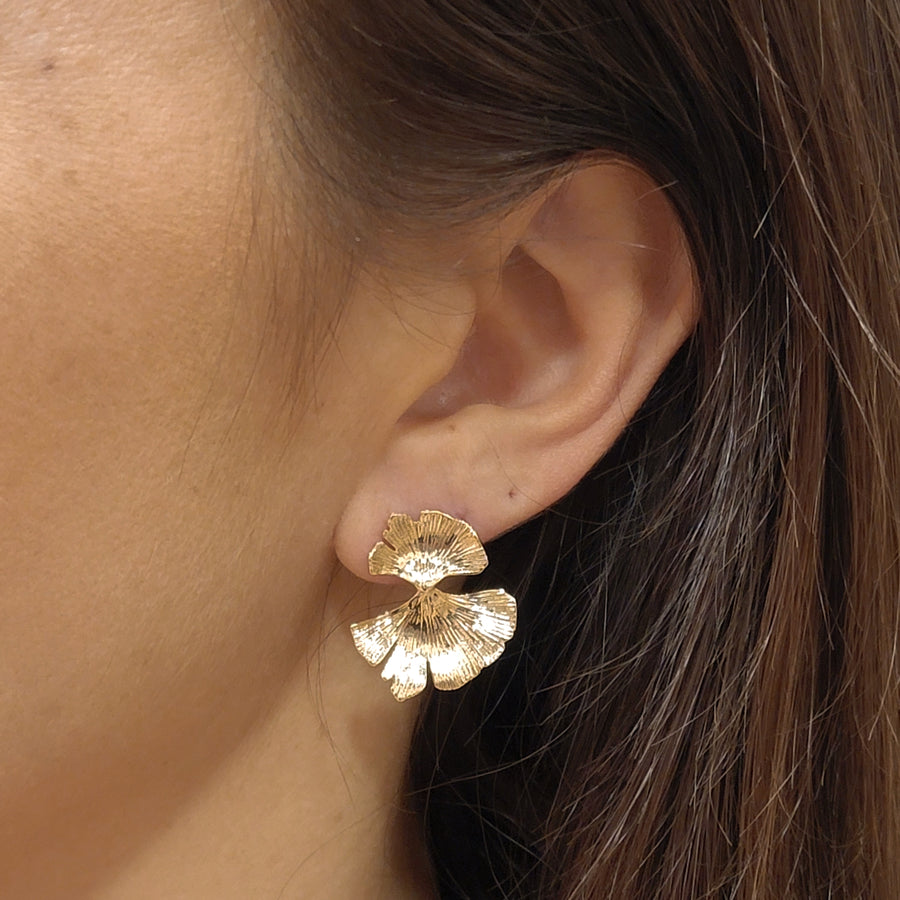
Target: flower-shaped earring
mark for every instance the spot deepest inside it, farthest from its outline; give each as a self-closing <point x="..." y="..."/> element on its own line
<point x="453" y="635"/>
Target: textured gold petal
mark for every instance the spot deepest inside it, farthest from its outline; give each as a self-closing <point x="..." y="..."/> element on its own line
<point x="476" y="629"/>
<point x="407" y="667"/>
<point x="427" y="550"/>
<point x="375" y="637"/>
<point x="399" y="536"/>
<point x="459" y="634"/>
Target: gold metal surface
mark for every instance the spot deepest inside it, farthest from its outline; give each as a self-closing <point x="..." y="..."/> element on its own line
<point x="453" y="635"/>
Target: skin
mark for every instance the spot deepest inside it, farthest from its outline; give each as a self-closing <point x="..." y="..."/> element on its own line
<point x="196" y="454"/>
<point x="160" y="537"/>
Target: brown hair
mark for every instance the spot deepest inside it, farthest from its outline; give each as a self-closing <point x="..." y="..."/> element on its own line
<point x="703" y="699"/>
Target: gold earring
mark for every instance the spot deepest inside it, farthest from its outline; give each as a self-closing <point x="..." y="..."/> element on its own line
<point x="453" y="635"/>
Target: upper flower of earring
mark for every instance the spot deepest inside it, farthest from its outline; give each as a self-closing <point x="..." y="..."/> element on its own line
<point x="453" y="635"/>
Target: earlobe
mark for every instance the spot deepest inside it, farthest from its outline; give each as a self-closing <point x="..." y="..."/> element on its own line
<point x="572" y="328"/>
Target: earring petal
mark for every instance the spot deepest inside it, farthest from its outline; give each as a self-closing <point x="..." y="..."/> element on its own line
<point x="375" y="637"/>
<point x="472" y="634"/>
<point x="427" y="550"/>
<point x="408" y="669"/>
<point x="399" y="540"/>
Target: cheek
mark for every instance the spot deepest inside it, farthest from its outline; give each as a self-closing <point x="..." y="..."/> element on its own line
<point x="108" y="376"/>
<point x="114" y="306"/>
<point x="119" y="243"/>
<point x="147" y="514"/>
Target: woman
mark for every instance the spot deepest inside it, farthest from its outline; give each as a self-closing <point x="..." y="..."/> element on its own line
<point x="613" y="282"/>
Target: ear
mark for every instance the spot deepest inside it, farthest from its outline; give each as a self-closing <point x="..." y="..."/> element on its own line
<point x="591" y="296"/>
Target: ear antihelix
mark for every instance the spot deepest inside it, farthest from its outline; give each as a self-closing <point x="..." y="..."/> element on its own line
<point x="454" y="636"/>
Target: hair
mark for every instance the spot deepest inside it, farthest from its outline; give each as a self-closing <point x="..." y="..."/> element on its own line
<point x="703" y="697"/>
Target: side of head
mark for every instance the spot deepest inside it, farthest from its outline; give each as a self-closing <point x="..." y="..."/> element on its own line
<point x="612" y="282"/>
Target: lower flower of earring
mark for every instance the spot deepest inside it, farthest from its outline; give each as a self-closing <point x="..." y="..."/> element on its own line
<point x="453" y="635"/>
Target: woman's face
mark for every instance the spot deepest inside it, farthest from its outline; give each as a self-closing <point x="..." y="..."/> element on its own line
<point x="166" y="497"/>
